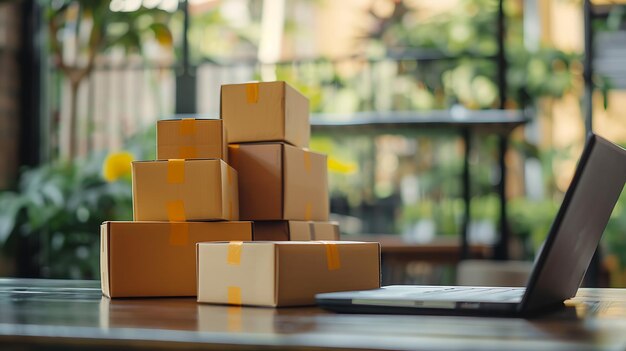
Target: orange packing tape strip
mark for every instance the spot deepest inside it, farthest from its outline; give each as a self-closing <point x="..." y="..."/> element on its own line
<point x="252" y="93"/>
<point x="188" y="152"/>
<point x="234" y="252"/>
<point x="176" y="211"/>
<point x="307" y="162"/>
<point x="308" y="211"/>
<point x="234" y="295"/>
<point x="179" y="233"/>
<point x="332" y="256"/>
<point x="187" y="126"/>
<point x="234" y="318"/>
<point x="229" y="176"/>
<point x="175" y="171"/>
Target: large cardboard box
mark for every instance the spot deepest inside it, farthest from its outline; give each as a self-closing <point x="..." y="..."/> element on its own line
<point x="284" y="273"/>
<point x="157" y="258"/>
<point x="191" y="138"/>
<point x="270" y="111"/>
<point x="184" y="190"/>
<point x="295" y="230"/>
<point x="278" y="181"/>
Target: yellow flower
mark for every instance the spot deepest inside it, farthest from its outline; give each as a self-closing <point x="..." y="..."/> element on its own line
<point x="337" y="166"/>
<point x="116" y="165"/>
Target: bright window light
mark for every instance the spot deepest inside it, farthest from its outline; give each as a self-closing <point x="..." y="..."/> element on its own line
<point x="134" y="5"/>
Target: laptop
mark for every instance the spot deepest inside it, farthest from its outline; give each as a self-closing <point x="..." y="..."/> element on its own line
<point x="559" y="268"/>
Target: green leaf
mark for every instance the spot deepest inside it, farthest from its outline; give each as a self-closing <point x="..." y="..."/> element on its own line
<point x="11" y="204"/>
<point x="162" y="34"/>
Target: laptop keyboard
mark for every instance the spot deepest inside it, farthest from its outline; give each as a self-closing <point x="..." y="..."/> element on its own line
<point x="462" y="293"/>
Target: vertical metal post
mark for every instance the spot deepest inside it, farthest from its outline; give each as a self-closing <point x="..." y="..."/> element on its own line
<point x="466" y="195"/>
<point x="502" y="247"/>
<point x="588" y="67"/>
<point x="186" y="79"/>
<point x="30" y="127"/>
<point x="185" y="53"/>
<point x="592" y="277"/>
<point x="30" y="84"/>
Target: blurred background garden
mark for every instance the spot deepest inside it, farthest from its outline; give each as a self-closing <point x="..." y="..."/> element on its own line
<point x="82" y="83"/>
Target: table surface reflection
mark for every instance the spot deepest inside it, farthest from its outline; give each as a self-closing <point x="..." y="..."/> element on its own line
<point x="63" y="314"/>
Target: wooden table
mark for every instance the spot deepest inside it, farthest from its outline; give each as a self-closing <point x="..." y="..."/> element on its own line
<point x="72" y="315"/>
<point x="397" y="254"/>
<point x="445" y="250"/>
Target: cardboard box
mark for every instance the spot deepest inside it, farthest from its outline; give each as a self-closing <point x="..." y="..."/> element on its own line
<point x="284" y="273"/>
<point x="270" y="111"/>
<point x="191" y="138"/>
<point x="295" y="230"/>
<point x="280" y="182"/>
<point x="184" y="190"/>
<point x="157" y="258"/>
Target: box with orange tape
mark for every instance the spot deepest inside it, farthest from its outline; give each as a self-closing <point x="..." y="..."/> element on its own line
<point x="141" y="259"/>
<point x="283" y="273"/>
<point x="184" y="190"/>
<point x="268" y="111"/>
<point x="189" y="138"/>
<point x="295" y="230"/>
<point x="280" y="182"/>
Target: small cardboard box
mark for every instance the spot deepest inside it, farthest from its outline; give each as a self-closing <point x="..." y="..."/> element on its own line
<point x="189" y="138"/>
<point x="295" y="230"/>
<point x="284" y="273"/>
<point x="270" y="111"/>
<point x="280" y="182"/>
<point x="184" y="190"/>
<point x="157" y="258"/>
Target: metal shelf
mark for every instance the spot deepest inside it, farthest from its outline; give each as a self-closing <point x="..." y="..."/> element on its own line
<point x="464" y="122"/>
<point x="490" y="120"/>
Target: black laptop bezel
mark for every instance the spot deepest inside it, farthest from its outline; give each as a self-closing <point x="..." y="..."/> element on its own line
<point x="548" y="246"/>
<point x="543" y="302"/>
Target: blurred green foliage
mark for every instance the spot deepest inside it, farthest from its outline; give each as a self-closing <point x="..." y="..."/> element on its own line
<point x="467" y="34"/>
<point x="90" y="28"/>
<point x="418" y="63"/>
<point x="530" y="222"/>
<point x="58" y="209"/>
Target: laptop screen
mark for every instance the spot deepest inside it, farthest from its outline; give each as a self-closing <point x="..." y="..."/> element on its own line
<point x="578" y="226"/>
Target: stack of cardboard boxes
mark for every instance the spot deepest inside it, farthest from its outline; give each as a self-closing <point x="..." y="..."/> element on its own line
<point x="250" y="165"/>
<point x="188" y="195"/>
<point x="280" y="182"/>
